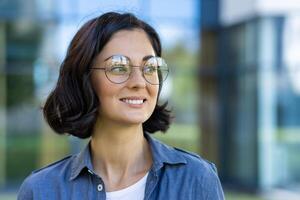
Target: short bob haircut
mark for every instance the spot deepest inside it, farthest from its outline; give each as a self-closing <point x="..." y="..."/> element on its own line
<point x="72" y="106"/>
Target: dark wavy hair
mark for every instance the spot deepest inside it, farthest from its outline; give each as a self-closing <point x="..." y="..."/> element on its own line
<point x="73" y="105"/>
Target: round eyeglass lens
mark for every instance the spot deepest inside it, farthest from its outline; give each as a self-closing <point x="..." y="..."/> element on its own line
<point x="155" y="70"/>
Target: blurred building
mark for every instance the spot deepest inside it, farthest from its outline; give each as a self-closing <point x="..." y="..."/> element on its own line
<point x="22" y="26"/>
<point x="250" y="91"/>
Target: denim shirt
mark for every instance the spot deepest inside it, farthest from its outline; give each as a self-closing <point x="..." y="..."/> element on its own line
<point x="175" y="174"/>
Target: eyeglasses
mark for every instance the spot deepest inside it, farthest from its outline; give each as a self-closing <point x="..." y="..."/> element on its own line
<point x="118" y="69"/>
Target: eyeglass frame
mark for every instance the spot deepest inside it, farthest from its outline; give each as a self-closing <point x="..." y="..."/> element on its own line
<point x="136" y="66"/>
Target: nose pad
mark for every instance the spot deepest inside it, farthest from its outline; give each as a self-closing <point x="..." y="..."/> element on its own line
<point x="136" y="77"/>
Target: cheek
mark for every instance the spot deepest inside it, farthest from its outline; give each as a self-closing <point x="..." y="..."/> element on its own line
<point x="105" y="93"/>
<point x="154" y="92"/>
<point x="100" y="86"/>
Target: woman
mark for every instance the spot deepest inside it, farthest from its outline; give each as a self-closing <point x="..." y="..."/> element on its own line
<point x="107" y="90"/>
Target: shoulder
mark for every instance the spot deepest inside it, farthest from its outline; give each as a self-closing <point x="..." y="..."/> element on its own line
<point x="44" y="176"/>
<point x="58" y="167"/>
<point x="203" y="174"/>
<point x="195" y="163"/>
<point x="182" y="160"/>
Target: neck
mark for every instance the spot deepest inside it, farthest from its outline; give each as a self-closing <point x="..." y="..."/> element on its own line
<point x="119" y="152"/>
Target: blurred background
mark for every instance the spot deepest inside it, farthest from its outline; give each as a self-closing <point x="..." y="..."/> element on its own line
<point x="234" y="86"/>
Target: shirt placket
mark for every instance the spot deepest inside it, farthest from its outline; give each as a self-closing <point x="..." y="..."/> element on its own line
<point x="98" y="186"/>
<point x="150" y="184"/>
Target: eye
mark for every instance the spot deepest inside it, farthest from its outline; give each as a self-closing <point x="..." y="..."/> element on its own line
<point x="150" y="69"/>
<point x="118" y="65"/>
<point x="119" y="69"/>
<point x="151" y="66"/>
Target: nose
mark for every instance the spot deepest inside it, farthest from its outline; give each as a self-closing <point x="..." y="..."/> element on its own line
<point x="136" y="78"/>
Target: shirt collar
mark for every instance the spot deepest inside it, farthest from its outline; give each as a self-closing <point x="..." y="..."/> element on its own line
<point x="161" y="153"/>
<point x="81" y="161"/>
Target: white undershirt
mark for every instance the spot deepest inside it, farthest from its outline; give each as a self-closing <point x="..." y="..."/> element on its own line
<point x="133" y="192"/>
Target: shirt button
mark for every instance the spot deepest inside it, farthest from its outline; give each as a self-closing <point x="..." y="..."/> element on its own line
<point x="100" y="187"/>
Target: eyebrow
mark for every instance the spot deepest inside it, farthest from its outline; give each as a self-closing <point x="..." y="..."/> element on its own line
<point x="144" y="58"/>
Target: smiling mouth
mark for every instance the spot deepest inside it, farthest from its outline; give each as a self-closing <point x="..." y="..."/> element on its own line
<point x="133" y="101"/>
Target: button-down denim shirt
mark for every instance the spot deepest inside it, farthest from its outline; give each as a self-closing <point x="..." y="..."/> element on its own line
<point x="175" y="174"/>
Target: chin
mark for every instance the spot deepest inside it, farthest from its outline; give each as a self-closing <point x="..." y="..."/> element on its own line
<point x="135" y="120"/>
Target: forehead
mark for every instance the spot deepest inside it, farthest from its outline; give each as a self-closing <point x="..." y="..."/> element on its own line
<point x="133" y="44"/>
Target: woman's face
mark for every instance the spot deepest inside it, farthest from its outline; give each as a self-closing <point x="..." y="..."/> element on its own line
<point x="133" y="101"/>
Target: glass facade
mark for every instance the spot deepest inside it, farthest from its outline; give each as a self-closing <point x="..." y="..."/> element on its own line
<point x="253" y="90"/>
<point x="22" y="130"/>
<point x="288" y="103"/>
<point x="21" y="116"/>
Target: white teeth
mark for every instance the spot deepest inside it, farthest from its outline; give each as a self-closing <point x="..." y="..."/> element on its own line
<point x="135" y="102"/>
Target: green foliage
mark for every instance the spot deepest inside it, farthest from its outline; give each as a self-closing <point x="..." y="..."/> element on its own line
<point x="241" y="196"/>
<point x="2" y="90"/>
<point x="22" y="154"/>
<point x="183" y="67"/>
<point x="184" y="136"/>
